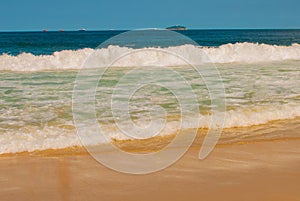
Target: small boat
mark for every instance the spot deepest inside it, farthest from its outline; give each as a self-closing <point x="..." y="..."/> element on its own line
<point x="44" y="30"/>
<point x="83" y="29"/>
<point x="61" y="30"/>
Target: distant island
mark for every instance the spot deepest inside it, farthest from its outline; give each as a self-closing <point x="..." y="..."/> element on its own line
<point x="177" y="27"/>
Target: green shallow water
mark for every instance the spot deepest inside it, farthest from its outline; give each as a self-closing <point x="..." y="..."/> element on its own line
<point x="37" y="101"/>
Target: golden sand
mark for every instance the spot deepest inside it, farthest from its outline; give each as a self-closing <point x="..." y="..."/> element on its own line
<point x="254" y="163"/>
<point x="258" y="171"/>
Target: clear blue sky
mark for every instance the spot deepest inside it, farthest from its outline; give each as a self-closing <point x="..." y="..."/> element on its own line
<point x="131" y="14"/>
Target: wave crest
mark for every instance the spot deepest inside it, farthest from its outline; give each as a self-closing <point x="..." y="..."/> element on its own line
<point x="228" y="53"/>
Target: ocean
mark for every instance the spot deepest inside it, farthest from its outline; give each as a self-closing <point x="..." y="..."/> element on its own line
<point x="260" y="71"/>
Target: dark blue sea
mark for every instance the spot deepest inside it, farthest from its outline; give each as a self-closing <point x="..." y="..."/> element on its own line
<point x="38" y="43"/>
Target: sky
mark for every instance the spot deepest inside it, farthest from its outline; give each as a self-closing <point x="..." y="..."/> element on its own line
<point x="30" y="15"/>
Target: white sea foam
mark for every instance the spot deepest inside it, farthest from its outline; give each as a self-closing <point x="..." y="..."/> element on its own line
<point x="229" y="53"/>
<point x="30" y="138"/>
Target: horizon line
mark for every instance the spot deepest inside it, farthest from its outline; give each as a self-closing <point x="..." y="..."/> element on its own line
<point x="95" y="30"/>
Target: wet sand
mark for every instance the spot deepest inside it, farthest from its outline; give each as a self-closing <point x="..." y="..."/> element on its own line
<point x="267" y="170"/>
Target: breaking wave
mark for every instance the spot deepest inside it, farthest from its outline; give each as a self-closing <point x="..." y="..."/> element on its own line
<point x="74" y="59"/>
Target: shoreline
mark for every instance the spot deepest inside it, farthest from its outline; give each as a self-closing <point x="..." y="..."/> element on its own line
<point x="282" y="130"/>
<point x="82" y="151"/>
<point x="252" y="163"/>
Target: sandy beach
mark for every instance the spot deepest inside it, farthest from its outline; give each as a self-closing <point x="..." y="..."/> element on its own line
<point x="150" y="100"/>
<point x="253" y="171"/>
